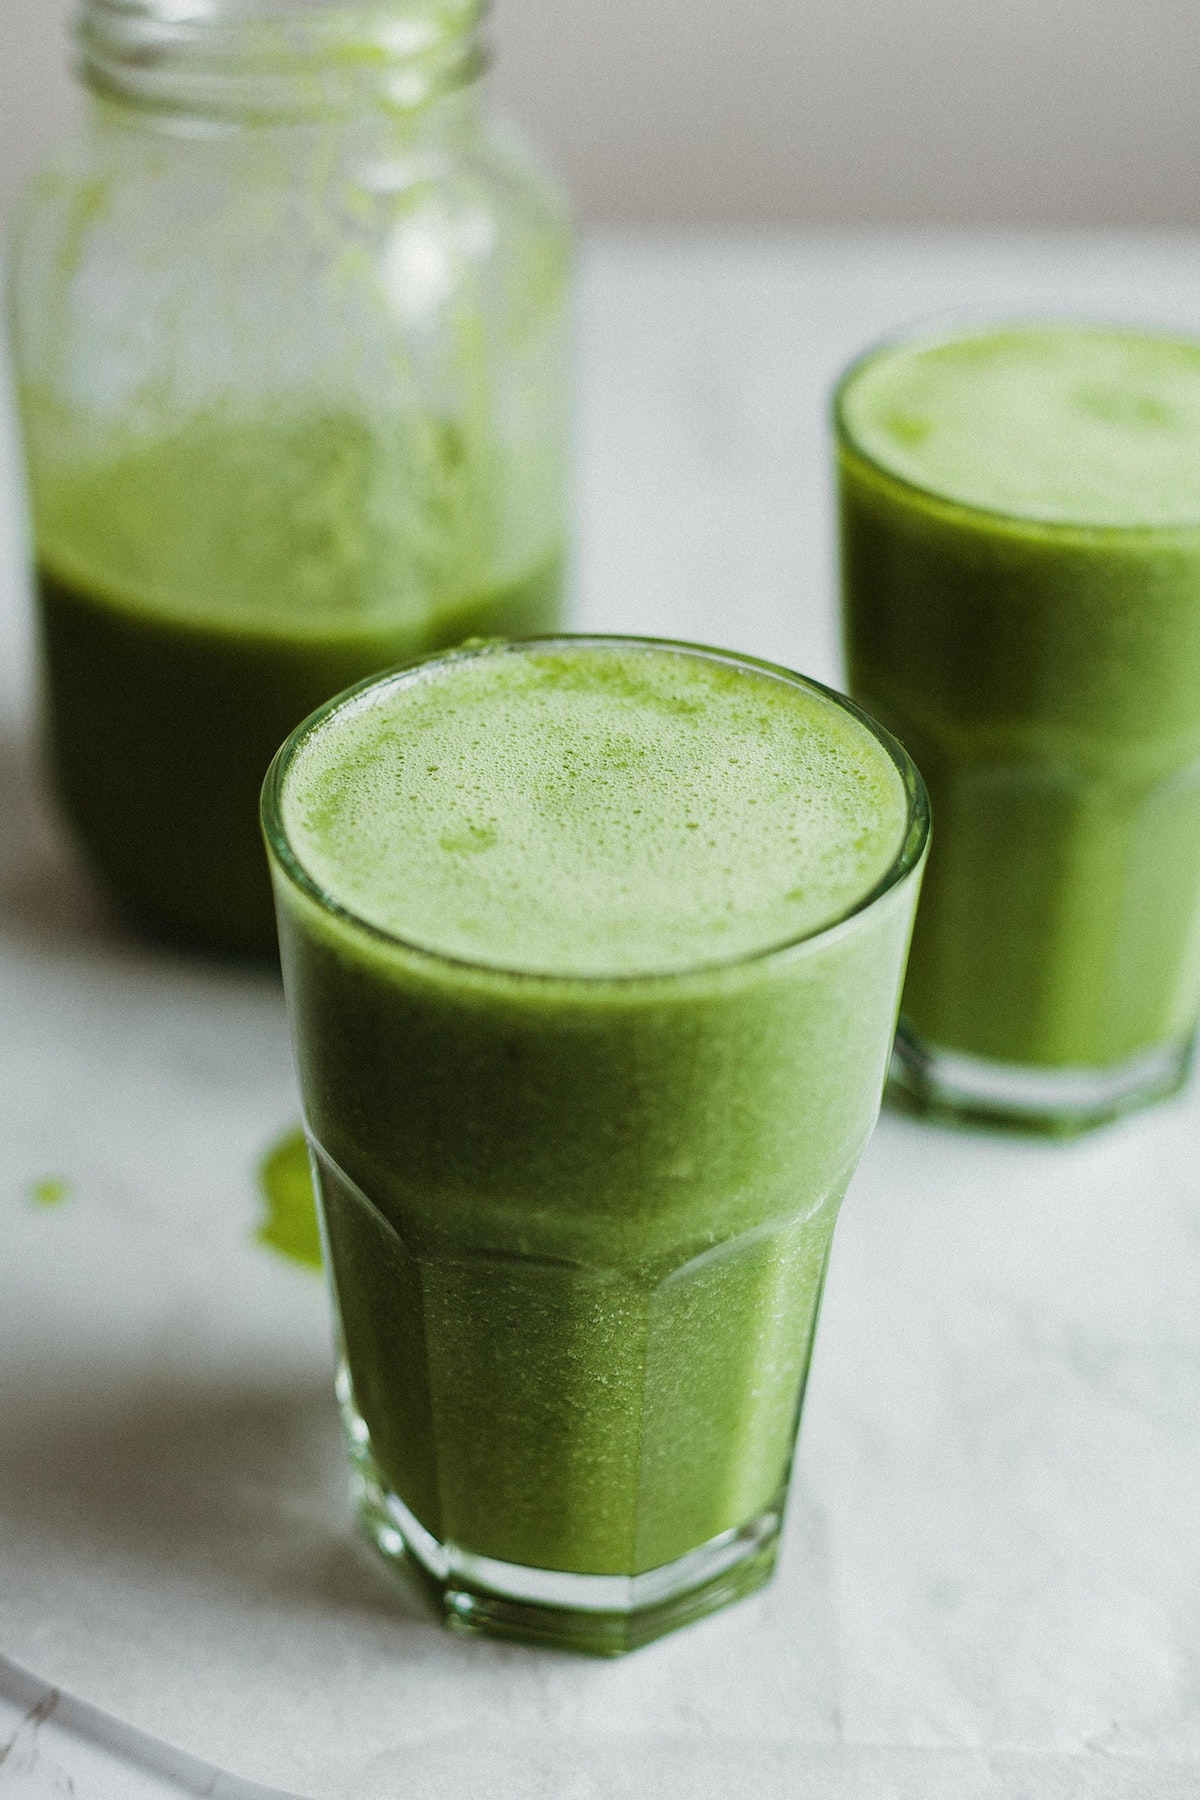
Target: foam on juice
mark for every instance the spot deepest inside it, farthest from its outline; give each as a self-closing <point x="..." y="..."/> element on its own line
<point x="1064" y="424"/>
<point x="594" y="810"/>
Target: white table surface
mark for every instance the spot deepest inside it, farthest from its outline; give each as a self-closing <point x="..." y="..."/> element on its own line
<point x="991" y="1580"/>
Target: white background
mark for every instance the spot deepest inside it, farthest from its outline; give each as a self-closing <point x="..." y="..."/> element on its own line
<point x="793" y="111"/>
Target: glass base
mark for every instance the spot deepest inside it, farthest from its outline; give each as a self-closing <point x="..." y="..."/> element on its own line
<point x="1041" y="1101"/>
<point x="604" y="1615"/>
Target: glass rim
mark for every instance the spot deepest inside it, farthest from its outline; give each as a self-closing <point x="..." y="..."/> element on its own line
<point x="908" y="857"/>
<point x="961" y="327"/>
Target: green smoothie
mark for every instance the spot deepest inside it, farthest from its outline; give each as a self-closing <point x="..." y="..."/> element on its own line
<point x="592" y="950"/>
<point x="201" y="595"/>
<point x="1021" y="549"/>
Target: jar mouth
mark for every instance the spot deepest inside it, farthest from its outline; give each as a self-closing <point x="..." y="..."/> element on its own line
<point x="268" y="60"/>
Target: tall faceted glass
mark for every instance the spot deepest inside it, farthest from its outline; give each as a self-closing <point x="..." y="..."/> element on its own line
<point x="593" y="950"/>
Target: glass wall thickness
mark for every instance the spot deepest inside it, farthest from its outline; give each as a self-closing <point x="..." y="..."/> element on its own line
<point x="577" y="1231"/>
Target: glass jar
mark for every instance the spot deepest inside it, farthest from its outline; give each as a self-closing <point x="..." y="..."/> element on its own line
<point x="291" y="337"/>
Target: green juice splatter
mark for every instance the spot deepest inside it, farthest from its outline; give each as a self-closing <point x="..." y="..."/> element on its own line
<point x="52" y="1190"/>
<point x="290" y="1226"/>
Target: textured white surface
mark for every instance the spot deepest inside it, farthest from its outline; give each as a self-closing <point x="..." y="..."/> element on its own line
<point x="991" y="1583"/>
<point x="52" y="1744"/>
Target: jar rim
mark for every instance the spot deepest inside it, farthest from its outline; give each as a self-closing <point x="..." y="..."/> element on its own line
<point x="262" y="60"/>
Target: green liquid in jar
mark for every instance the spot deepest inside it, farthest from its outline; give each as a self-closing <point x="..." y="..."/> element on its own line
<point x="200" y="596"/>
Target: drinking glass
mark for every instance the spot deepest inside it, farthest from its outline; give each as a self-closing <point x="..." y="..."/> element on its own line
<point x="577" y="1224"/>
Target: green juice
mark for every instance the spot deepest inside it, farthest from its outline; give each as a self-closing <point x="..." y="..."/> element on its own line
<point x="1021" y="551"/>
<point x="592" y="950"/>
<point x="200" y="596"/>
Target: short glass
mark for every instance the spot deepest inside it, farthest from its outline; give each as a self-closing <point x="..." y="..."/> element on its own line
<point x="577" y="1231"/>
<point x="1043" y="668"/>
